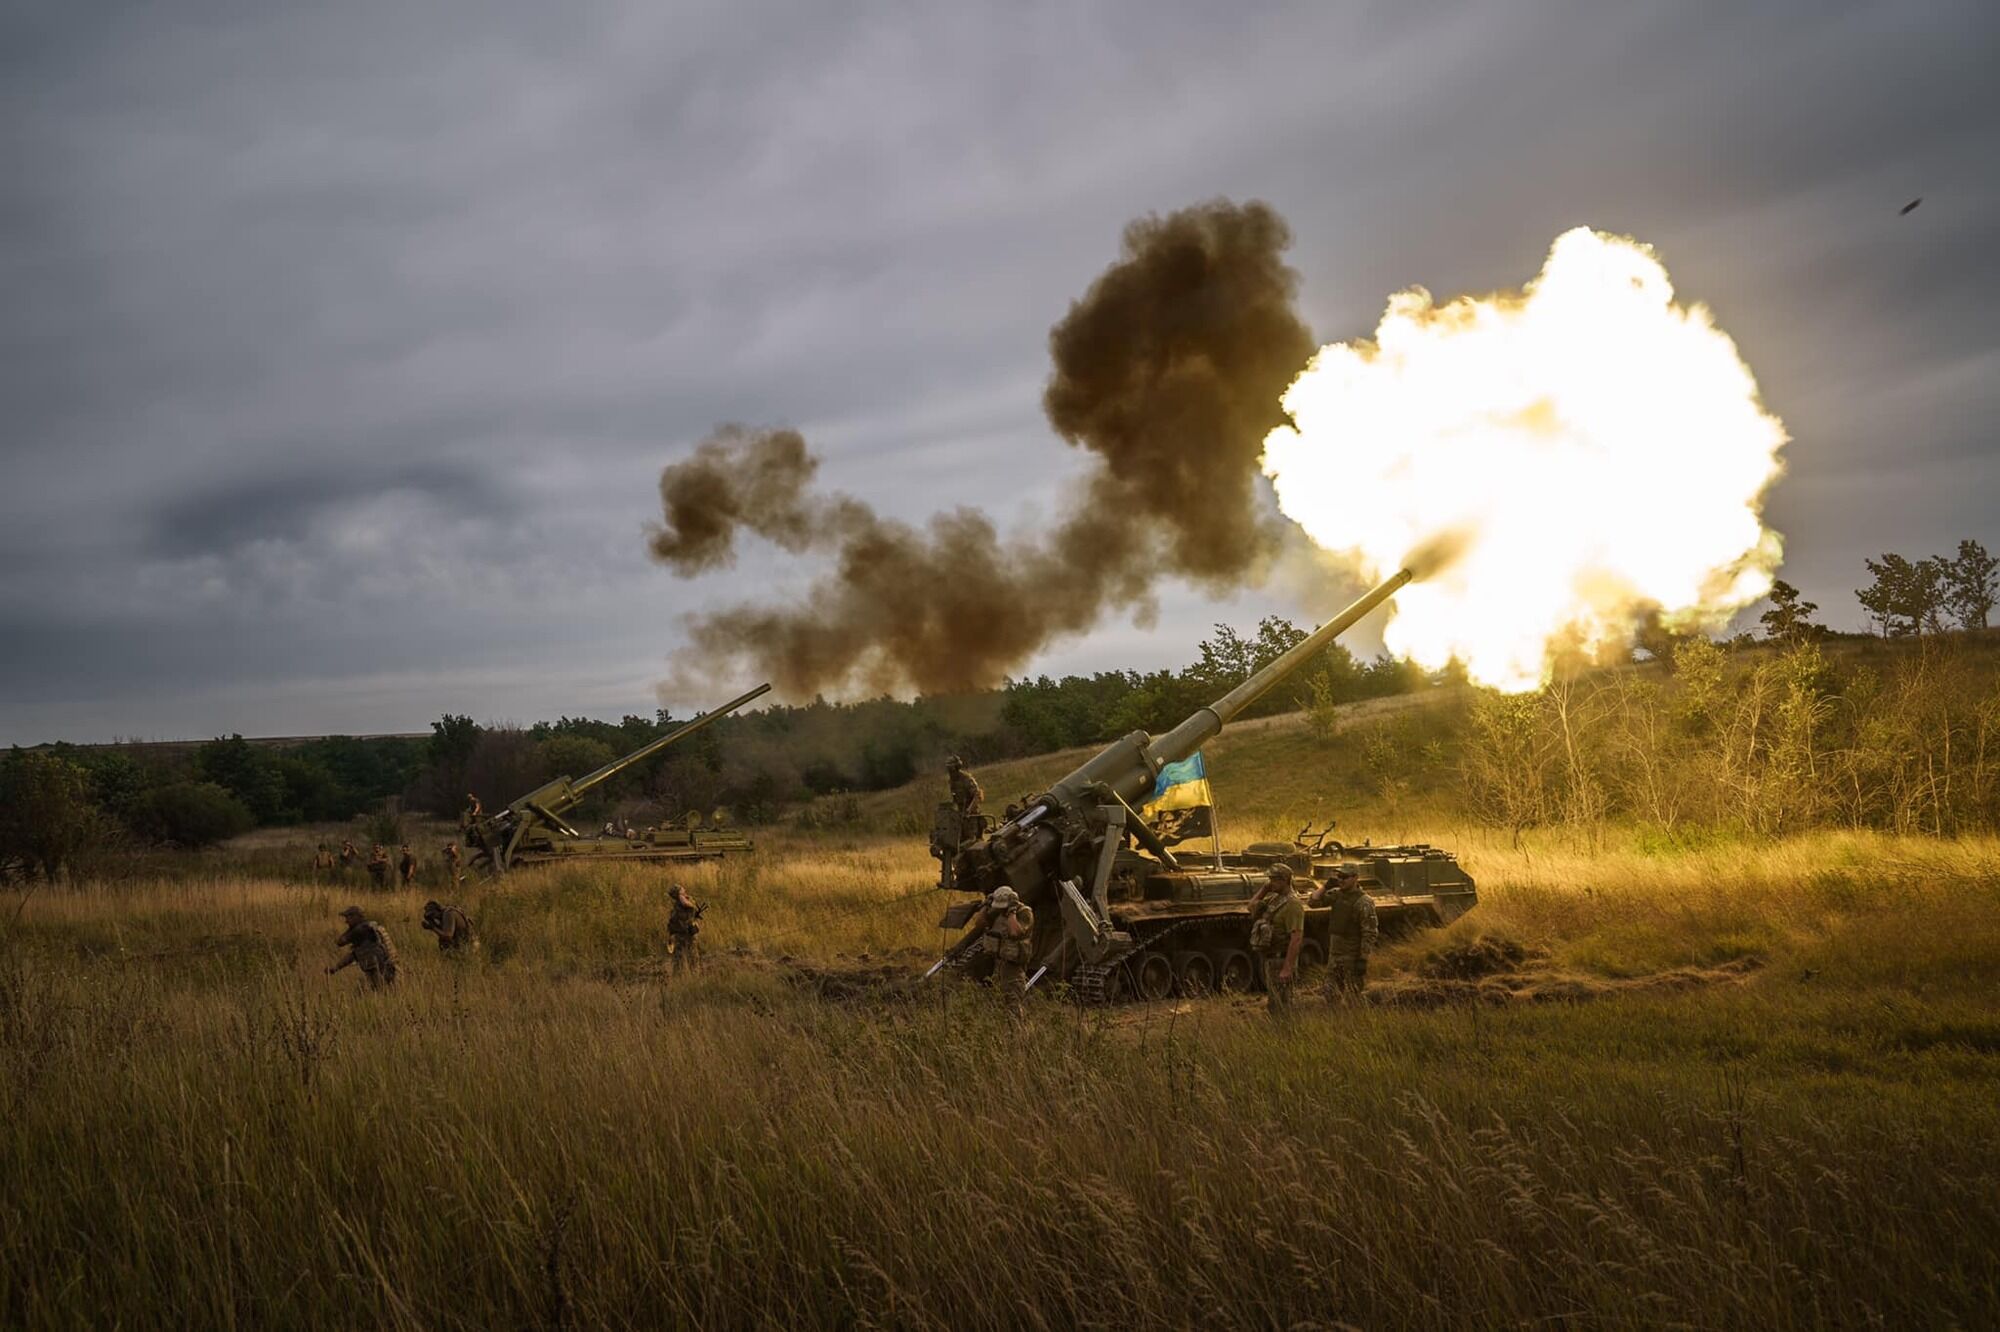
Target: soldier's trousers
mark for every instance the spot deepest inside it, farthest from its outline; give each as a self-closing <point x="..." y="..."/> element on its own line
<point x="1346" y="976"/>
<point x="379" y="975"/>
<point x="683" y="949"/>
<point x="1277" y="993"/>
<point x="1011" y="980"/>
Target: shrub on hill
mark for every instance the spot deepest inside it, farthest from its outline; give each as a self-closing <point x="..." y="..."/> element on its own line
<point x="190" y="814"/>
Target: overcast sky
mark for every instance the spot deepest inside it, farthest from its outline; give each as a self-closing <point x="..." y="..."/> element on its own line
<point x="341" y="345"/>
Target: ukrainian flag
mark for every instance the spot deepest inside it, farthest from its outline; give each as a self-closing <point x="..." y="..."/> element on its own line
<point x="1181" y="805"/>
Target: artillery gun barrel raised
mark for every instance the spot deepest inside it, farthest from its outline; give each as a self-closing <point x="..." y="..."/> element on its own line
<point x="1130" y="766"/>
<point x="540" y="812"/>
<point x="1183" y="926"/>
<point x="639" y="755"/>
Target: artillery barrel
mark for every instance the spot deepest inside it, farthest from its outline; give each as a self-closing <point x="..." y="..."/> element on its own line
<point x="616" y="766"/>
<point x="1198" y="730"/>
<point x="1129" y="766"/>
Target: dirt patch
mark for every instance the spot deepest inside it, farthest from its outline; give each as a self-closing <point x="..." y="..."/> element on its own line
<point x="1473" y="959"/>
<point x="1535" y="984"/>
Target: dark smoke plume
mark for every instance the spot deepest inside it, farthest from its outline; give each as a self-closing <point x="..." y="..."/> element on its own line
<point x="1167" y="373"/>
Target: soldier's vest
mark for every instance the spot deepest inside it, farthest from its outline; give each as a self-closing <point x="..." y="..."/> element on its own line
<point x="1013" y="950"/>
<point x="1344" y="915"/>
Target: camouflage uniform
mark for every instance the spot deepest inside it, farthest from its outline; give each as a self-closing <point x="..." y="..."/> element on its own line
<point x="378" y="867"/>
<point x="1282" y="916"/>
<point x="407" y="868"/>
<point x="452" y="927"/>
<point x="682" y="926"/>
<point x="1010" y="931"/>
<point x="965" y="793"/>
<point x="348" y="855"/>
<point x="368" y="948"/>
<point x="1350" y="935"/>
<point x="450" y="854"/>
<point x="472" y="814"/>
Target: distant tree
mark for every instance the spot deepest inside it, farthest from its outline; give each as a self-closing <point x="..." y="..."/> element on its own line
<point x="46" y="813"/>
<point x="1790" y="616"/>
<point x="453" y="737"/>
<point x="1907" y="597"/>
<point x="1970" y="582"/>
<point x="252" y="774"/>
<point x="191" y="814"/>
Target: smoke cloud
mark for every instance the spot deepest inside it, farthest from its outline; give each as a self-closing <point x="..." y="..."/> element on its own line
<point x="1167" y="374"/>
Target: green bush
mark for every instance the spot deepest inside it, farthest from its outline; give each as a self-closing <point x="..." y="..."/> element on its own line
<point x="191" y="814"/>
<point x="46" y="813"/>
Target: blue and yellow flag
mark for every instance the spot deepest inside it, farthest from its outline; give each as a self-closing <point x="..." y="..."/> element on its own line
<point x="1181" y="805"/>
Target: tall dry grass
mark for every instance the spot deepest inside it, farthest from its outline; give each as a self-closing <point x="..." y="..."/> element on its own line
<point x="201" y="1128"/>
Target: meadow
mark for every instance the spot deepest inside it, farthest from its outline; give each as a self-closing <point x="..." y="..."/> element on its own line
<point x="1713" y="1083"/>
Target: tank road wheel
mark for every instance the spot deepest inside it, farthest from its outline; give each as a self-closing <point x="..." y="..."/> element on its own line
<point x="1234" y="972"/>
<point x="1152" y="976"/>
<point x="1311" y="956"/>
<point x="1196" y="974"/>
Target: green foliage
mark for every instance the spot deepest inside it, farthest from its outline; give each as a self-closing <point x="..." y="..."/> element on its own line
<point x="191" y="814"/>
<point x="1906" y="596"/>
<point x="1790" y="616"/>
<point x="252" y="774"/>
<point x="1971" y="581"/>
<point x="46" y="812"/>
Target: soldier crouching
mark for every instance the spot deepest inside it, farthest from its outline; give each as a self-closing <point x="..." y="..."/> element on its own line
<point x="368" y="947"/>
<point x="452" y="927"/>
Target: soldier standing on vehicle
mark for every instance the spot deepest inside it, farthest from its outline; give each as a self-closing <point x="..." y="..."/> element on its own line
<point x="406" y="867"/>
<point x="1277" y="932"/>
<point x="474" y="812"/>
<point x="965" y="792"/>
<point x="368" y="947"/>
<point x="451" y="858"/>
<point x="1350" y="935"/>
<point x="682" y="926"/>
<point x="1009" y="926"/>
<point x="378" y="865"/>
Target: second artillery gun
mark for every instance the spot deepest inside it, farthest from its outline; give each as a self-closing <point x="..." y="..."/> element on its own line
<point x="531" y="830"/>
<point x="1113" y="918"/>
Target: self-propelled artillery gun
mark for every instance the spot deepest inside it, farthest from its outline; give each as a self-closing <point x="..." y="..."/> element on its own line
<point x="1118" y="912"/>
<point x="531" y="830"/>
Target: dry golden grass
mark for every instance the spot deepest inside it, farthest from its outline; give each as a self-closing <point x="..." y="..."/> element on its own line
<point x="203" y="1129"/>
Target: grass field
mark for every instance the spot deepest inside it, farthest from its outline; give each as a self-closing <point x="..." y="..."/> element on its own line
<point x="1740" y="1084"/>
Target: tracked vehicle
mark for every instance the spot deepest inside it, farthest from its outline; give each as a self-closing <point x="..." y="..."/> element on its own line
<point x="531" y="830"/>
<point x="1118" y="913"/>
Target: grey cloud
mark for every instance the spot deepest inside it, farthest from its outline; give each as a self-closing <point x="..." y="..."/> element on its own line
<point x="276" y="281"/>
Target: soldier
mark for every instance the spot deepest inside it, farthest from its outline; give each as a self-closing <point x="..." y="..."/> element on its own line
<point x="452" y="927"/>
<point x="682" y="926"/>
<point x="378" y="865"/>
<point x="451" y="859"/>
<point x="407" y="867"/>
<point x="323" y="860"/>
<point x="965" y="792"/>
<point x="1009" y="925"/>
<point x="610" y="829"/>
<point x="368" y="947"/>
<point x="1277" y="931"/>
<point x="348" y="855"/>
<point x="1350" y="935"/>
<point x="474" y="812"/>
